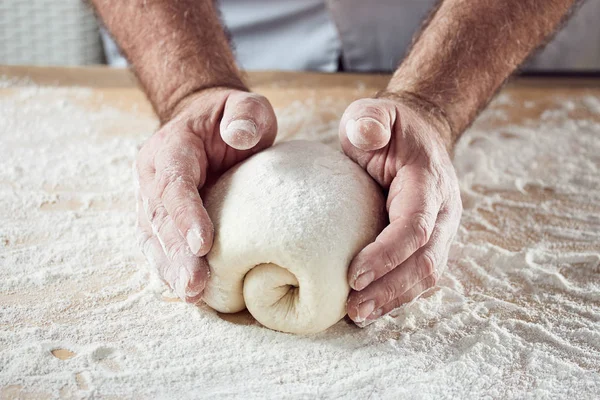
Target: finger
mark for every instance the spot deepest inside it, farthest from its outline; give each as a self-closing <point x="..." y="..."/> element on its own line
<point x="154" y="254"/>
<point x="153" y="251"/>
<point x="176" y="185"/>
<point x="149" y="244"/>
<point x="418" y="273"/>
<point x="186" y="273"/>
<point x="367" y="123"/>
<point x="247" y="118"/>
<point x="411" y="294"/>
<point x="414" y="203"/>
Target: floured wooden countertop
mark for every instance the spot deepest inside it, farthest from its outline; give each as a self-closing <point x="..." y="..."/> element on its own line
<point x="517" y="313"/>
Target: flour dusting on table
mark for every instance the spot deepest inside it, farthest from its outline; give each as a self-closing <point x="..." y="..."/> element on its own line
<point x="516" y="315"/>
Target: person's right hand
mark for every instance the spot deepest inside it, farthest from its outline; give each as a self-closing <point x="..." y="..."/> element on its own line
<point x="209" y="132"/>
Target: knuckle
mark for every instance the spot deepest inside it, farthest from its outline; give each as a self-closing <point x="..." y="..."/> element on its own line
<point x="426" y="264"/>
<point x="179" y="213"/>
<point x="421" y="229"/>
<point x="389" y="257"/>
<point x="176" y="249"/>
<point x="360" y="105"/>
<point x="407" y="297"/>
<point x="144" y="160"/>
<point x="141" y="172"/>
<point x="172" y="185"/>
<point x="354" y="110"/>
<point x="149" y="250"/>
<point x="246" y="105"/>
<point x="459" y="205"/>
<point x="354" y="300"/>
<point x="171" y="252"/>
<point x="374" y="111"/>
<point x="157" y="215"/>
<point x="391" y="306"/>
<point x="453" y="197"/>
<point x="143" y="239"/>
<point x="168" y="273"/>
<point x="167" y="179"/>
<point x="252" y="104"/>
<point x="429" y="281"/>
<point x="389" y="291"/>
<point x="141" y="224"/>
<point x="458" y="211"/>
<point x="256" y="99"/>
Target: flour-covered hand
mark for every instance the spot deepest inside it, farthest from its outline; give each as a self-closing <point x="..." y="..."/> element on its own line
<point x="209" y="132"/>
<point x="404" y="145"/>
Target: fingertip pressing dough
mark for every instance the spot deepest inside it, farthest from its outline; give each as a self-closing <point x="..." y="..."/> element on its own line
<point x="288" y="221"/>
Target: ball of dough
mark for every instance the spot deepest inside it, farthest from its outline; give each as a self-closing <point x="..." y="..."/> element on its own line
<point x="288" y="221"/>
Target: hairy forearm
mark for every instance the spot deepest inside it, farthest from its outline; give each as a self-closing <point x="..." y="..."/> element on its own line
<point x="176" y="47"/>
<point x="467" y="49"/>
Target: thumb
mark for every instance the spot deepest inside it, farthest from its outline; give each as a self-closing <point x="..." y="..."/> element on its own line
<point x="248" y="118"/>
<point x="367" y="123"/>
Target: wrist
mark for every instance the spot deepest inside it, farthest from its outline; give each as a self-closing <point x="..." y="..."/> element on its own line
<point x="182" y="96"/>
<point x="427" y="110"/>
<point x="175" y="48"/>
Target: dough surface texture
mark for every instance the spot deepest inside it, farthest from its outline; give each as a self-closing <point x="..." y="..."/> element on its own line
<point x="288" y="221"/>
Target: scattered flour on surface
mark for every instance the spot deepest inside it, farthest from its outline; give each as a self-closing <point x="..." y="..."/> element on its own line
<point x="516" y="315"/>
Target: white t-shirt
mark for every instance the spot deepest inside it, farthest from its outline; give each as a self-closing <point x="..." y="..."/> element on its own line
<point x="360" y="35"/>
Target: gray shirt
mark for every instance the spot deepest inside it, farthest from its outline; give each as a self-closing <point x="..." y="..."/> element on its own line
<point x="360" y="35"/>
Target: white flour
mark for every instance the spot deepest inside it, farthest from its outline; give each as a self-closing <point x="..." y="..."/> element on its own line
<point x="516" y="315"/>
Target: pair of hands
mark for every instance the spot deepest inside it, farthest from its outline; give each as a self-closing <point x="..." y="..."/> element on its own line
<point x="402" y="146"/>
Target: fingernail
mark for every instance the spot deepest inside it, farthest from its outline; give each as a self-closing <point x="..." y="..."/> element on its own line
<point x="352" y="132"/>
<point x="376" y="314"/>
<point x="370" y="122"/>
<point x="365" y="309"/>
<point x="242" y="134"/>
<point x="195" y="285"/>
<point x="364" y="280"/>
<point x="192" y="292"/>
<point x="180" y="285"/>
<point x="194" y="240"/>
<point x="185" y="286"/>
<point x="370" y="319"/>
<point x="372" y="136"/>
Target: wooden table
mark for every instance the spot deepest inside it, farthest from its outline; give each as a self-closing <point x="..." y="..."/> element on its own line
<point x="527" y="254"/>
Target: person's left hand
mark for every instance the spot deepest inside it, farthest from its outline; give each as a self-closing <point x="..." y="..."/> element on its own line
<point x="404" y="145"/>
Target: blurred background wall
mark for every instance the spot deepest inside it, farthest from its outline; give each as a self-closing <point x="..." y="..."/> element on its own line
<point x="49" y="32"/>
